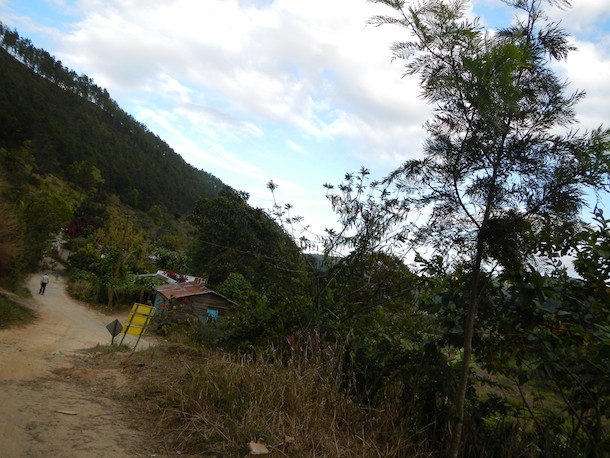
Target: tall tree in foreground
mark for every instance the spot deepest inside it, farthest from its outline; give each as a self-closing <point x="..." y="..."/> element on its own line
<point x="496" y="170"/>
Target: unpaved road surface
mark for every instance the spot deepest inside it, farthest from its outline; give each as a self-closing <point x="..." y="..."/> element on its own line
<point x="45" y="408"/>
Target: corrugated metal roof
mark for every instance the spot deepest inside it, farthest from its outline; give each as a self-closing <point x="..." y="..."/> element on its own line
<point x="186" y="289"/>
<point x="183" y="289"/>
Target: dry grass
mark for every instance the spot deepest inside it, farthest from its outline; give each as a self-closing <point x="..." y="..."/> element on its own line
<point x="207" y="403"/>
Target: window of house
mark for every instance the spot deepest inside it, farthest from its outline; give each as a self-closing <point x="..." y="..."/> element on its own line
<point x="212" y="314"/>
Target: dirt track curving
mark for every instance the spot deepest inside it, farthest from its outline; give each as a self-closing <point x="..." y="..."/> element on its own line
<point x="45" y="412"/>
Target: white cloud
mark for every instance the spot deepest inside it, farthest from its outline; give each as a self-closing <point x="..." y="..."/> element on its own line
<point x="585" y="16"/>
<point x="588" y="69"/>
<point x="285" y="63"/>
<point x="295" y="147"/>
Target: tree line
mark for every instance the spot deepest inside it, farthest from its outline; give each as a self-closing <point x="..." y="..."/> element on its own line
<point x="44" y="64"/>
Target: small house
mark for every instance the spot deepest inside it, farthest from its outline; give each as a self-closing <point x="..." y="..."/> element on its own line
<point x="191" y="298"/>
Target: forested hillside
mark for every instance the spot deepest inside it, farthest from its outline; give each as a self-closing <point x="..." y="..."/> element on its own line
<point x="68" y="124"/>
<point x="72" y="162"/>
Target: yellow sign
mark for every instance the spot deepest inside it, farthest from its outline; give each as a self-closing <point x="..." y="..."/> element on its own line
<point x="138" y="319"/>
<point x="134" y="331"/>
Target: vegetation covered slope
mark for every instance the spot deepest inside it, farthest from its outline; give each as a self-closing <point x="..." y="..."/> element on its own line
<point x="72" y="160"/>
<point x="62" y="119"/>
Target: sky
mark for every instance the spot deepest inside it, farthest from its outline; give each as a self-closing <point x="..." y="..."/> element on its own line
<point x="298" y="92"/>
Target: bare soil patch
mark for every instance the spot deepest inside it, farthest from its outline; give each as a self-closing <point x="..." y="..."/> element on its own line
<point x="56" y="401"/>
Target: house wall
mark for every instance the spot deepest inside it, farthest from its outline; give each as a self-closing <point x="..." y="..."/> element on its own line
<point x="194" y="305"/>
<point x="201" y="304"/>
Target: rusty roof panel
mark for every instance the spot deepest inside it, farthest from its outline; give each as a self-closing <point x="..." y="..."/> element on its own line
<point x="170" y="290"/>
<point x="187" y="289"/>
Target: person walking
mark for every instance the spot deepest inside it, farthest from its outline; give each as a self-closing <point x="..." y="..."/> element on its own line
<point x="43" y="283"/>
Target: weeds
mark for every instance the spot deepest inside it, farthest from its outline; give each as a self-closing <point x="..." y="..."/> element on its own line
<point x="12" y="313"/>
<point x="108" y="349"/>
<point x="212" y="404"/>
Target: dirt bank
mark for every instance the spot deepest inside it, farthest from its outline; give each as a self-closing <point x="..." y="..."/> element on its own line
<point x="47" y="410"/>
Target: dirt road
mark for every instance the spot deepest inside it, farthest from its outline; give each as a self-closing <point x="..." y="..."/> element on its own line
<point x="44" y="411"/>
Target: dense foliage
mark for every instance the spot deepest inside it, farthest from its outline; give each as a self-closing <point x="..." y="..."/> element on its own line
<point x="497" y="171"/>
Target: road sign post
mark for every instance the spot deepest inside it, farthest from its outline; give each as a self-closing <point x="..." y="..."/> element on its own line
<point x="114" y="328"/>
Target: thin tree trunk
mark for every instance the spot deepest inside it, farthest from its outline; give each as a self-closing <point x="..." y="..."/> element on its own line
<point x="112" y="287"/>
<point x="457" y="424"/>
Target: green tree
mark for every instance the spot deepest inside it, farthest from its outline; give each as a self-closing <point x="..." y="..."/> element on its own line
<point x="11" y="241"/>
<point x="548" y="334"/>
<point x="86" y="176"/>
<point x="254" y="321"/>
<point x="45" y="214"/>
<point x="121" y="242"/>
<point x="495" y="167"/>
<point x="236" y="238"/>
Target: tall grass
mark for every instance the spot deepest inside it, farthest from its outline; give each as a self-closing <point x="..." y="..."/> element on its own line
<point x="212" y="404"/>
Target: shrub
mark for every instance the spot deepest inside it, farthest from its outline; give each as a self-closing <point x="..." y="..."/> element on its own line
<point x="12" y="313"/>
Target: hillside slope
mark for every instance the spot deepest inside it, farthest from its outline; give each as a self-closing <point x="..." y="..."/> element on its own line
<point x="59" y="128"/>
